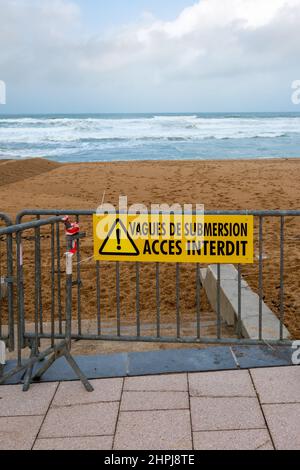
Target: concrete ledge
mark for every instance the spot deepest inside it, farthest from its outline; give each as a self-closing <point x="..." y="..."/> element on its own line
<point x="249" y="302"/>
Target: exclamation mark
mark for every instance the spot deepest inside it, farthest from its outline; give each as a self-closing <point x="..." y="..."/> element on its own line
<point x="119" y="239"/>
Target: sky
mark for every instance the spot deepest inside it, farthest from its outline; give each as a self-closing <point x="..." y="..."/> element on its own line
<point x="95" y="56"/>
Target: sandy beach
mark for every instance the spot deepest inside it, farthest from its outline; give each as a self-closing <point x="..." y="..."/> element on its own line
<point x="248" y="184"/>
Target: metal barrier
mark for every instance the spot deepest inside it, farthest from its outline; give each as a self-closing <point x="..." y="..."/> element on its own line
<point x="55" y="350"/>
<point x="48" y="300"/>
<point x="173" y="332"/>
<point x="6" y="286"/>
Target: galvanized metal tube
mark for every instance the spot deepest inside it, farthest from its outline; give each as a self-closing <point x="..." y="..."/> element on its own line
<point x="118" y="299"/>
<point x="52" y="285"/>
<point x="36" y="288"/>
<point x="10" y="293"/>
<point x="137" y="301"/>
<point x="239" y="324"/>
<point x="78" y="283"/>
<point x="98" y="280"/>
<point x="178" y="319"/>
<point x="20" y="326"/>
<point x="281" y="276"/>
<point x="40" y="290"/>
<point x="157" y="276"/>
<point x="171" y="339"/>
<point x="58" y="267"/>
<point x="260" y="288"/>
<point x="219" y="332"/>
<point x="69" y="286"/>
<point x="198" y="319"/>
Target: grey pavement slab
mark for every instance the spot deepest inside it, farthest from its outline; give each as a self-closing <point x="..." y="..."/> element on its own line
<point x="19" y="433"/>
<point x="157" y="383"/>
<point x="277" y="385"/>
<point x="263" y="356"/>
<point x="75" y="443"/>
<point x="154" y="430"/>
<point x="137" y="401"/>
<point x="253" y="439"/>
<point x="220" y="384"/>
<point x="284" y="425"/>
<point x="81" y="420"/>
<point x="14" y="402"/>
<point x="165" y="362"/>
<point x="212" y="414"/>
<point x="180" y="360"/>
<point x="73" y="393"/>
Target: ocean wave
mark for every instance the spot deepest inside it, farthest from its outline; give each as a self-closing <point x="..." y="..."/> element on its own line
<point x="175" y="135"/>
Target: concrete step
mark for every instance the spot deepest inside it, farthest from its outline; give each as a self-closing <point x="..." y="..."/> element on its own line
<point x="249" y="303"/>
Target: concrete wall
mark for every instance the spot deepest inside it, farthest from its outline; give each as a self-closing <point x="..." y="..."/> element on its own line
<point x="249" y="303"/>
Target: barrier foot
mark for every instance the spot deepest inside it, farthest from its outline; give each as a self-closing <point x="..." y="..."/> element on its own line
<point x="27" y="378"/>
<point x="78" y="371"/>
<point x="57" y="352"/>
<point x="38" y="375"/>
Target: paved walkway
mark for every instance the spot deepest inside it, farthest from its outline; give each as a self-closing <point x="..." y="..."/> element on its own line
<point x="255" y="409"/>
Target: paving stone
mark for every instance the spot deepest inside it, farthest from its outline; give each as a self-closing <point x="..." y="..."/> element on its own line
<point x="229" y="383"/>
<point x="157" y="383"/>
<point x="253" y="439"/>
<point x="284" y="425"/>
<point x="19" y="433"/>
<point x="226" y="413"/>
<point x="154" y="430"/>
<point x="135" y="401"/>
<point x="15" y="402"/>
<point x="180" y="360"/>
<point x="73" y="393"/>
<point x="81" y="420"/>
<point x="277" y="385"/>
<point x="75" y="443"/>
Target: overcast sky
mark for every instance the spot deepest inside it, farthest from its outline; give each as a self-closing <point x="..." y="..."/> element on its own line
<point x="149" y="55"/>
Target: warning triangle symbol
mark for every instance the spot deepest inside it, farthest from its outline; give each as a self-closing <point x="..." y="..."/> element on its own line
<point x="118" y="242"/>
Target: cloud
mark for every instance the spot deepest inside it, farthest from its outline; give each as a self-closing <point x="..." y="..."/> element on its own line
<point x="47" y="42"/>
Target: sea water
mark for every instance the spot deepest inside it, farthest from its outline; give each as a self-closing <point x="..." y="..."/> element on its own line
<point x="125" y="137"/>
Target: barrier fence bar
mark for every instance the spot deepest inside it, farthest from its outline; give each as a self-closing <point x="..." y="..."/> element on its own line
<point x="157" y="277"/>
<point x="55" y="309"/>
<point x="8" y="280"/>
<point x="78" y="282"/>
<point x="281" y="276"/>
<point x="260" y="288"/>
<point x="219" y="302"/>
<point x="118" y="299"/>
<point x="137" y="301"/>
<point x="178" y="319"/>
<point x="98" y="285"/>
<point x="239" y="323"/>
<point x="198" y="300"/>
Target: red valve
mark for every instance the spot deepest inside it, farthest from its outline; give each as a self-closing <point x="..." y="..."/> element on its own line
<point x="72" y="228"/>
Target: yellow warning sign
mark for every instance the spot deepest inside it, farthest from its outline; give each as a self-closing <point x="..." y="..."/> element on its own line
<point x="173" y="238"/>
<point x="118" y="242"/>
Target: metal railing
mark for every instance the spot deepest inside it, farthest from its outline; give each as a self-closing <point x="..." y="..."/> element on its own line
<point x="55" y="350"/>
<point x="50" y="304"/>
<point x="159" y="332"/>
<point x="6" y="287"/>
